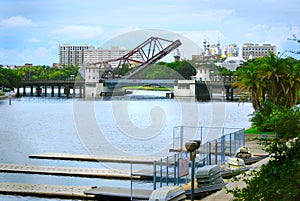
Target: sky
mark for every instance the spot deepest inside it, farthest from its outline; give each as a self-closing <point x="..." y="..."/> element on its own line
<point x="31" y="31"/>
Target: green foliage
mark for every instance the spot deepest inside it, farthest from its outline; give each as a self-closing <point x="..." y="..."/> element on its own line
<point x="284" y="121"/>
<point x="9" y="78"/>
<point x="274" y="84"/>
<point x="47" y="73"/>
<point x="254" y="130"/>
<point x="270" y="77"/>
<point x="277" y="180"/>
<point x="173" y="70"/>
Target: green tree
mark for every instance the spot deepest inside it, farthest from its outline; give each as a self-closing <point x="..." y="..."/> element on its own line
<point x="185" y="69"/>
<point x="9" y="78"/>
<point x="172" y="70"/>
<point x="274" y="78"/>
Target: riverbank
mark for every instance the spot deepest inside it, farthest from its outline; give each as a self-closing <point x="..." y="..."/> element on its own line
<point x="3" y="97"/>
<point x="252" y="143"/>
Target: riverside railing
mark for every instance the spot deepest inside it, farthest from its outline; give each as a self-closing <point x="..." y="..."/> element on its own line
<point x="217" y="143"/>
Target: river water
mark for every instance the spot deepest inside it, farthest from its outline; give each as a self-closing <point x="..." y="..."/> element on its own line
<point x="140" y="124"/>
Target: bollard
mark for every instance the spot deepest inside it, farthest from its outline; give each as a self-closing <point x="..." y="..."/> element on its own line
<point x="192" y="147"/>
<point x="9" y="98"/>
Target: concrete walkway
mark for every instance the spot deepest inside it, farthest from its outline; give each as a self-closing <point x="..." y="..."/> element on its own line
<point x="222" y="194"/>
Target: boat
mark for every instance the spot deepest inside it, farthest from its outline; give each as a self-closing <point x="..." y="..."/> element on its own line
<point x="249" y="158"/>
<point x="168" y="193"/>
<point x="208" y="180"/>
<point x="234" y="163"/>
<point x="232" y="167"/>
<point x="243" y="152"/>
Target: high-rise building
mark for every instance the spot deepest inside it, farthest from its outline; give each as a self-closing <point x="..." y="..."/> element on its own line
<point x="78" y="55"/>
<point x="251" y="51"/>
<point x="93" y="55"/>
<point x="72" y="54"/>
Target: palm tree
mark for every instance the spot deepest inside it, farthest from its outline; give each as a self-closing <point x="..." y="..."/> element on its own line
<point x="272" y="78"/>
<point x="247" y="81"/>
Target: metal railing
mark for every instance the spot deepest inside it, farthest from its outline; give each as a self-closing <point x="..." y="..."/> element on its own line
<point x="213" y="150"/>
<point x="170" y="170"/>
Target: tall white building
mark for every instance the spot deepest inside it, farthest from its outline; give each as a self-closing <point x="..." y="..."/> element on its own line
<point x="80" y="54"/>
<point x="72" y="54"/>
<point x="251" y="51"/>
<point x="93" y="55"/>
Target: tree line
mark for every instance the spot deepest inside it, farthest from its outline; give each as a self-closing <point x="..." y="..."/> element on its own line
<point x="274" y="85"/>
<point x="11" y="78"/>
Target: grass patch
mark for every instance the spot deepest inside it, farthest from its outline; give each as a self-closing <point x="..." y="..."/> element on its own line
<point x="253" y="130"/>
<point x="150" y="88"/>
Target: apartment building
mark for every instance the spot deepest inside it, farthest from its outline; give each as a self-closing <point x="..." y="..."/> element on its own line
<point x="93" y="55"/>
<point x="251" y="51"/>
<point x="72" y="54"/>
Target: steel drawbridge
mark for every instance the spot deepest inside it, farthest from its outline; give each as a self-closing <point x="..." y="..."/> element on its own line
<point x="145" y="54"/>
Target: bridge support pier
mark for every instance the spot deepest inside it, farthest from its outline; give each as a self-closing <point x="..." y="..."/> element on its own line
<point x="38" y="90"/>
<point x="24" y="91"/>
<point x="52" y="91"/>
<point x="229" y="94"/>
<point x="80" y="91"/>
<point x="59" y="93"/>
<point x="45" y="90"/>
<point x="67" y="90"/>
<point x="31" y="90"/>
<point x="202" y="91"/>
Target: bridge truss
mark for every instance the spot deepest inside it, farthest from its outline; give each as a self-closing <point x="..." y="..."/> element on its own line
<point x="145" y="54"/>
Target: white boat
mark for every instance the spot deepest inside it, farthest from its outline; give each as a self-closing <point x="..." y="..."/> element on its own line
<point x="243" y="152"/>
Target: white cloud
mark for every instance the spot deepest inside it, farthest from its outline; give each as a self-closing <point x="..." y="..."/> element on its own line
<point x="16" y="21"/>
<point x="78" y="32"/>
<point x="32" y="40"/>
<point x="215" y="14"/>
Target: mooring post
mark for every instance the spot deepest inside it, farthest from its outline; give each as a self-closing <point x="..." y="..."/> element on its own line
<point x="167" y="170"/>
<point x="175" y="169"/>
<point x="9" y="98"/>
<point x="161" y="176"/>
<point x="216" y="152"/>
<point x="154" y="175"/>
<point x="209" y="152"/>
<point x="130" y="180"/>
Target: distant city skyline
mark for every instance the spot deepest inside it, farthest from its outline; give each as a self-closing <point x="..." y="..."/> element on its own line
<point x="31" y="31"/>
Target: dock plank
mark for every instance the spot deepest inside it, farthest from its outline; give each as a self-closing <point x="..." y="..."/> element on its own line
<point x="105" y="191"/>
<point x="43" y="190"/>
<point x="66" y="171"/>
<point x="83" y="157"/>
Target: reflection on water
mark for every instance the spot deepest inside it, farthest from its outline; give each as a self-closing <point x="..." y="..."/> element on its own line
<point x="137" y="124"/>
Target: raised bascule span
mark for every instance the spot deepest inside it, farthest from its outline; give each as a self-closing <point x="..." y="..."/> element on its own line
<point x="145" y="54"/>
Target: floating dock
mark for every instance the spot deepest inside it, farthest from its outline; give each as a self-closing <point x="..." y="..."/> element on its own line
<point x="82" y="157"/>
<point x="42" y="190"/>
<point x="67" y="171"/>
<point x="120" y="193"/>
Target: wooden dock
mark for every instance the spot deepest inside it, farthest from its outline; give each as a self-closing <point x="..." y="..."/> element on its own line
<point x="148" y="174"/>
<point x="120" y="193"/>
<point x="67" y="171"/>
<point x="42" y="190"/>
<point x="82" y="157"/>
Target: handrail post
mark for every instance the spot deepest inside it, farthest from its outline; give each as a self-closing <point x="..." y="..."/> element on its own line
<point x="167" y="170"/>
<point x="175" y="161"/>
<point x="154" y="175"/>
<point x="161" y="176"/>
<point x="130" y="180"/>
